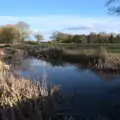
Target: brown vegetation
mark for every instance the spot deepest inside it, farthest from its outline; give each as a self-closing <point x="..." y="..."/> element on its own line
<point x="21" y="99"/>
<point x="14" y="90"/>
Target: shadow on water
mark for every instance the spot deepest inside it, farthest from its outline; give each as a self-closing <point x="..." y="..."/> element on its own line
<point x="44" y="109"/>
<point x="88" y="94"/>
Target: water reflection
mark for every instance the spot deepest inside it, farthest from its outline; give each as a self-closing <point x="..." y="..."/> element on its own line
<point x="86" y="92"/>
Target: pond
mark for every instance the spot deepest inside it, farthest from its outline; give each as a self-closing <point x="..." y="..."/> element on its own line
<point x="85" y="92"/>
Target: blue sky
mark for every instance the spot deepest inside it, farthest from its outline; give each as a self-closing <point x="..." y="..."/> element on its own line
<point x="71" y="16"/>
<point x="42" y="7"/>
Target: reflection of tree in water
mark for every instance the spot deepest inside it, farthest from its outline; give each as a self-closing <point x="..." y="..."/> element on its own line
<point x="107" y="76"/>
<point x="63" y="62"/>
<point x="54" y="62"/>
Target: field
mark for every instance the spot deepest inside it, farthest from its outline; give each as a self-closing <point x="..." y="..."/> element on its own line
<point x="111" y="47"/>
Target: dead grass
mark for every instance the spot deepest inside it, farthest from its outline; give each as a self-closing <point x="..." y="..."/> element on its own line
<point x="21" y="99"/>
<point x="13" y="90"/>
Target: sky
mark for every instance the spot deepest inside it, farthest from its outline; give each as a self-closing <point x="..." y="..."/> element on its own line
<point x="69" y="16"/>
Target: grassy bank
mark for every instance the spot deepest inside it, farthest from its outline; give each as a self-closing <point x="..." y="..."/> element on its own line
<point x="72" y="52"/>
<point x="108" y="59"/>
<point x="97" y="58"/>
<point x="111" y="47"/>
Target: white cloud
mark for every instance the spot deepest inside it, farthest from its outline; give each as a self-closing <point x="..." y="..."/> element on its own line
<point x="47" y="24"/>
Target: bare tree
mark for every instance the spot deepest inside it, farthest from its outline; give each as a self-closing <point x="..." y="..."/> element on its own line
<point x="38" y="37"/>
<point x="24" y="30"/>
<point x="113" y="6"/>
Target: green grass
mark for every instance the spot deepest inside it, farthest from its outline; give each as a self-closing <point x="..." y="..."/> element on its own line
<point x="111" y="47"/>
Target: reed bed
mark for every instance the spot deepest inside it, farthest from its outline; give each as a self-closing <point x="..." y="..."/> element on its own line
<point x="22" y="99"/>
<point x="14" y="90"/>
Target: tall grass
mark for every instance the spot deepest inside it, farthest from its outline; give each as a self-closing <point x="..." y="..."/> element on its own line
<point x="22" y="99"/>
<point x="13" y="90"/>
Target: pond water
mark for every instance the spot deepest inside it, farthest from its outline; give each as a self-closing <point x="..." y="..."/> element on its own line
<point x="85" y="92"/>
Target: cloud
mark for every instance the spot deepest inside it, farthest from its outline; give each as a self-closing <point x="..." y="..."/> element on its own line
<point x="47" y="24"/>
<point x="78" y="28"/>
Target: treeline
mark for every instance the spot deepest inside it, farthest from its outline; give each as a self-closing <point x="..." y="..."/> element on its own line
<point x="83" y="38"/>
<point x="18" y="33"/>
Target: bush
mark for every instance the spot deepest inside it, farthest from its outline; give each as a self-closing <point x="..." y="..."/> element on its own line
<point x="9" y="34"/>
